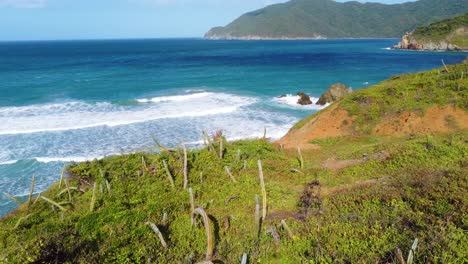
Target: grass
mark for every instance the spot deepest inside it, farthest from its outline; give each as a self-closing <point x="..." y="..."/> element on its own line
<point x="414" y="92"/>
<point x="444" y="30"/>
<point x="362" y="213"/>
<point x="418" y="193"/>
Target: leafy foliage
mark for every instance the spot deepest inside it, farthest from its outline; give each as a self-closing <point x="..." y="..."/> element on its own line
<point x="445" y="30"/>
<point x="327" y="18"/>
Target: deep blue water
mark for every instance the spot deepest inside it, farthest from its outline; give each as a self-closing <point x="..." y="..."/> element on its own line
<point x="78" y="100"/>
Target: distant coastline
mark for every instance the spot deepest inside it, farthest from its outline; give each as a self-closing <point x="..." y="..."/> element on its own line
<point x="248" y="38"/>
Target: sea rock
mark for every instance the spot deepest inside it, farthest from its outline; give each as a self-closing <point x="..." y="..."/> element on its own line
<point x="334" y="93"/>
<point x="304" y="99"/>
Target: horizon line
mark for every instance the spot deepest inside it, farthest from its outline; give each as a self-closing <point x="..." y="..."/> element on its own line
<point x="173" y="38"/>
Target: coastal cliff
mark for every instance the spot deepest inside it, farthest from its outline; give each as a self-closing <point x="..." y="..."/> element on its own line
<point x="450" y="34"/>
<point x="373" y="174"/>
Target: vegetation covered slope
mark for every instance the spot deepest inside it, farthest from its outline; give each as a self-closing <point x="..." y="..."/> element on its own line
<point x="430" y="101"/>
<point x="357" y="199"/>
<point x="449" y="34"/>
<point x="330" y="19"/>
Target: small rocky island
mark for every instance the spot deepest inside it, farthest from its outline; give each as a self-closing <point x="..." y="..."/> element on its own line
<point x="334" y="93"/>
<point x="450" y="34"/>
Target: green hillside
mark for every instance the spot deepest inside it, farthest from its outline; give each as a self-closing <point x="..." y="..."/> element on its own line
<point x="394" y="189"/>
<point x="330" y="19"/>
<point x="453" y="30"/>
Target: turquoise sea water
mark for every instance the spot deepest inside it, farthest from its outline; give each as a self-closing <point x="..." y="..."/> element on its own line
<point x="79" y="100"/>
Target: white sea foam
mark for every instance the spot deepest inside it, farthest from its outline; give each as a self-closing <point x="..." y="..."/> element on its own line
<point x="176" y="98"/>
<point x="80" y="115"/>
<point x="291" y="101"/>
<point x="66" y="159"/>
<point x="8" y="162"/>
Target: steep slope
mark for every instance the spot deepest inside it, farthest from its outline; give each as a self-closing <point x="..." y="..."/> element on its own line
<point x="426" y="102"/>
<point x="330" y="19"/>
<point x="449" y="34"/>
<point x="358" y="199"/>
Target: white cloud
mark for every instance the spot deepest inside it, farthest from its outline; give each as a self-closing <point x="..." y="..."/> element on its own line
<point x="23" y="3"/>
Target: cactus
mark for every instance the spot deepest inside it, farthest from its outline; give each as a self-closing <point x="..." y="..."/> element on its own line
<point x="21" y="219"/>
<point x="185" y="167"/>
<point x="264" y="194"/>
<point x="257" y="215"/>
<point x="93" y="198"/>
<point x="411" y="252"/>
<point x="286" y="227"/>
<point x="301" y="160"/>
<point x="164" y="219"/>
<point x="399" y="256"/>
<point x="168" y="173"/>
<point x="144" y="163"/>
<point x="61" y="176"/>
<point x="31" y="191"/>
<point x="221" y="150"/>
<point x="11" y="197"/>
<point x="208" y="229"/>
<point x="192" y="203"/>
<point x="228" y="172"/>
<point x="108" y="186"/>
<point x="68" y="190"/>
<point x="53" y="203"/>
<point x="158" y="233"/>
<point x="244" y="258"/>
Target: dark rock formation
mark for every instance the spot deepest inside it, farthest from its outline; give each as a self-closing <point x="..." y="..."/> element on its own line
<point x="304" y="99"/>
<point x="334" y="93"/>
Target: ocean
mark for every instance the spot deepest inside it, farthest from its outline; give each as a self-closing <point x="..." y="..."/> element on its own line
<point x="65" y="101"/>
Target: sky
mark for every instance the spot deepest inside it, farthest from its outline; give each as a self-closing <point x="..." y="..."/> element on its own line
<point x="104" y="19"/>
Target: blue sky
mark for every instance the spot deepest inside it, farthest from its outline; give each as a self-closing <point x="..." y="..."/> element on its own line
<point x="91" y="19"/>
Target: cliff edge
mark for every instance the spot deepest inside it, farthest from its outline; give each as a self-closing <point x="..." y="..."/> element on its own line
<point x="449" y="34"/>
<point x="418" y="103"/>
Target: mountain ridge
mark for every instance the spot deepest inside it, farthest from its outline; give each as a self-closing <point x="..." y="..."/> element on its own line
<point x="317" y="19"/>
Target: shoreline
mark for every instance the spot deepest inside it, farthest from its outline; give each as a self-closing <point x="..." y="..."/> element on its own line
<point x="292" y="39"/>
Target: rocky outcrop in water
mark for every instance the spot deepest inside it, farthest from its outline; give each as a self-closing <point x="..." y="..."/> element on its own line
<point x="304" y="99"/>
<point x="334" y="93"/>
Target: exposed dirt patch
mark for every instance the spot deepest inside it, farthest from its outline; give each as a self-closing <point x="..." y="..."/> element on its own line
<point x="436" y="119"/>
<point x="326" y="192"/>
<point x="332" y="122"/>
<point x="335" y="122"/>
<point x="336" y="165"/>
<point x="280" y="215"/>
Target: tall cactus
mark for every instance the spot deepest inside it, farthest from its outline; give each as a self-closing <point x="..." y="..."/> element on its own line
<point x="208" y="229"/>
<point x="262" y="185"/>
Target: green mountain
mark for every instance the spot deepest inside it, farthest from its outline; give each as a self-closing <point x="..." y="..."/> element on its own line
<point x="449" y="34"/>
<point x="330" y="19"/>
<point x="362" y="197"/>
